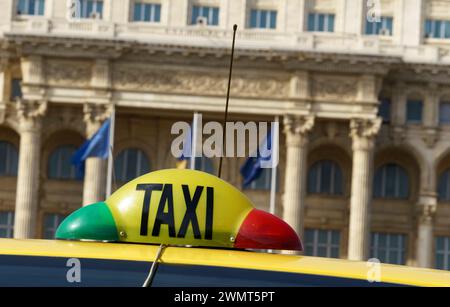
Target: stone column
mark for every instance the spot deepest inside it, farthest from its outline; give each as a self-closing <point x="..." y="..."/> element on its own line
<point x="296" y="129"/>
<point x="426" y="209"/>
<point x="27" y="195"/>
<point x="363" y="134"/>
<point x="94" y="186"/>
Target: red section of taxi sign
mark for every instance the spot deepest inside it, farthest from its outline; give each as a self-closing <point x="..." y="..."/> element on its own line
<point x="262" y="230"/>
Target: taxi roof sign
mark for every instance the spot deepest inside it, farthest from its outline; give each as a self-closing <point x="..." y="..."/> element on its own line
<point x="179" y="207"/>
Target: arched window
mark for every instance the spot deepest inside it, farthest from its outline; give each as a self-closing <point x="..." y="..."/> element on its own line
<point x="131" y="163"/>
<point x="325" y="177"/>
<point x="391" y="181"/>
<point x="60" y="163"/>
<point x="444" y="186"/>
<point x="8" y="159"/>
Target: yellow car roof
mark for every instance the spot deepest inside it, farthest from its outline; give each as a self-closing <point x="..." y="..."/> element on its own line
<point x="402" y="275"/>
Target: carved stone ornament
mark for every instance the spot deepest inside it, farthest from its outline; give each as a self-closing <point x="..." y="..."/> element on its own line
<point x="157" y="80"/>
<point x="333" y="87"/>
<point x="68" y="73"/>
<point x="94" y="115"/>
<point x="296" y="128"/>
<point x="29" y="114"/>
<point x="364" y="131"/>
<point x="430" y="136"/>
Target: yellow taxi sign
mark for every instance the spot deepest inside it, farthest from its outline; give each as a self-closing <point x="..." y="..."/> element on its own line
<point x="179" y="207"/>
<point x="185" y="207"/>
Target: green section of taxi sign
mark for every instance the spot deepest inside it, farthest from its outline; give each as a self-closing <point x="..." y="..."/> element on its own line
<point x="93" y="222"/>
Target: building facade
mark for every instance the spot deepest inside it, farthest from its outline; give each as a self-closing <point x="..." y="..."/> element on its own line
<point x="362" y="88"/>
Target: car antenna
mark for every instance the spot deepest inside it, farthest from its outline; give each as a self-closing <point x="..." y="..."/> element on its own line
<point x="227" y="102"/>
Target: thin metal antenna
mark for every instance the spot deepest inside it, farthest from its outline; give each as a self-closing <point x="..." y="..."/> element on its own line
<point x="228" y="99"/>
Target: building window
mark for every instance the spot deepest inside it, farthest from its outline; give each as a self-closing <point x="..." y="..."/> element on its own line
<point x="16" y="89"/>
<point x="325" y="177"/>
<point x="384" y="27"/>
<point x="91" y="9"/>
<point x="51" y="223"/>
<point x="384" y="110"/>
<point x="203" y="164"/>
<point x="414" y="109"/>
<point x="263" y="19"/>
<point x="131" y="163"/>
<point x="444" y="186"/>
<point x="444" y="112"/>
<point x="442" y="261"/>
<point x="30" y="7"/>
<point x="8" y="159"/>
<point x="205" y="15"/>
<point x="6" y="224"/>
<point x="322" y="243"/>
<point x="388" y="248"/>
<point x="150" y="12"/>
<point x="437" y="28"/>
<point x="60" y="163"/>
<point x="391" y="181"/>
<point x="320" y="22"/>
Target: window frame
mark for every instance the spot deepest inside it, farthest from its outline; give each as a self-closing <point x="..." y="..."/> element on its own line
<point x="37" y="8"/>
<point x="386" y="22"/>
<point x="409" y="102"/>
<point x="397" y="183"/>
<point x="430" y="24"/>
<point x="443" y="121"/>
<point x="316" y="22"/>
<point x="270" y="13"/>
<point x="335" y="170"/>
<point x="445" y="253"/>
<point x="401" y="250"/>
<point x="84" y="9"/>
<point x="210" y="20"/>
<point x="141" y="154"/>
<point x="154" y="7"/>
<point x="10" y="223"/>
<point x="12" y="162"/>
<point x="329" y="245"/>
<point x="59" y="176"/>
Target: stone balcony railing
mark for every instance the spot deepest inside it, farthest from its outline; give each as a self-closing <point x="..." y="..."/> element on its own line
<point x="432" y="53"/>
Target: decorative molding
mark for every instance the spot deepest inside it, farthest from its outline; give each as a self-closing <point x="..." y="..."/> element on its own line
<point x="68" y="73"/>
<point x="334" y="87"/>
<point x="94" y="115"/>
<point x="426" y="207"/>
<point x="363" y="132"/>
<point x="30" y="113"/>
<point x="430" y="136"/>
<point x="297" y="128"/>
<point x="397" y="134"/>
<point x="178" y="81"/>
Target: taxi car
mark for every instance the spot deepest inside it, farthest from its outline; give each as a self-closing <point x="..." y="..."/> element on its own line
<point x="185" y="228"/>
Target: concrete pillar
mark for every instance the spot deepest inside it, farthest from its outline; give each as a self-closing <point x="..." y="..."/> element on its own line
<point x="426" y="209"/>
<point x="27" y="195"/>
<point x="296" y="130"/>
<point x="94" y="186"/>
<point x="363" y="133"/>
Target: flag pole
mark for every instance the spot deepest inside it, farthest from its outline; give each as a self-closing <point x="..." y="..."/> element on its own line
<point x="273" y="181"/>
<point x="194" y="140"/>
<point x="110" y="156"/>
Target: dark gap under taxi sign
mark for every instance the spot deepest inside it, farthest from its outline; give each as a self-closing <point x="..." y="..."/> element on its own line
<point x="180" y="207"/>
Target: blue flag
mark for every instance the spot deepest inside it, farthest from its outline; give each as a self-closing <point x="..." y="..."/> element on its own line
<point x="96" y="146"/>
<point x="251" y="170"/>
